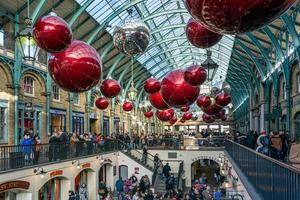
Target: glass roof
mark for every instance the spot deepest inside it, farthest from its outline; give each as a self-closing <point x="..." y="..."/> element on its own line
<point x="169" y="47"/>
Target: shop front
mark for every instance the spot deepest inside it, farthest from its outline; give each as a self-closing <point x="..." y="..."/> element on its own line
<point x="85" y="182"/>
<point x="30" y="119"/>
<point x="15" y="190"/>
<point x="93" y="122"/>
<point x="58" y="120"/>
<point x="105" y="177"/>
<point x="54" y="189"/>
<point x="105" y="126"/>
<point x="117" y="125"/>
<point x="78" y="122"/>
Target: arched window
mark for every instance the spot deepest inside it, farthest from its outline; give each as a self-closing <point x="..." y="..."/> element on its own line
<point x="28" y="86"/>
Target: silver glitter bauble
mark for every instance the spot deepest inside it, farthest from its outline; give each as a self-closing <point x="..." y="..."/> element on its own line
<point x="132" y="38"/>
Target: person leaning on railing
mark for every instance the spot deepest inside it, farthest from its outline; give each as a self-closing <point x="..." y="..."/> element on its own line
<point x="294" y="155"/>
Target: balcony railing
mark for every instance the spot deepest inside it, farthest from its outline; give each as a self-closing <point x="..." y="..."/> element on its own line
<point x="20" y="156"/>
<point x="272" y="179"/>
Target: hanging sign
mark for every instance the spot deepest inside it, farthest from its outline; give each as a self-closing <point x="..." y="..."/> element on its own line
<point x="56" y="173"/>
<point x="86" y="165"/>
<point x="14" y="185"/>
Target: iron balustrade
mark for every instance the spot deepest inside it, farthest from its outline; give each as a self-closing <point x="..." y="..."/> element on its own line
<point x="272" y="179"/>
<point x="19" y="156"/>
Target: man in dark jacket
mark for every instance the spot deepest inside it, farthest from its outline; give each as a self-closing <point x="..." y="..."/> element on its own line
<point x="64" y="140"/>
<point x="166" y="170"/>
<point x="53" y="147"/>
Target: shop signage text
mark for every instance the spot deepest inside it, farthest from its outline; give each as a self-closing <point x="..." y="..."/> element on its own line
<point x="86" y="165"/>
<point x="56" y="173"/>
<point x="14" y="185"/>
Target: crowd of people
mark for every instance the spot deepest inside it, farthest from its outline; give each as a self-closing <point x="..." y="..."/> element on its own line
<point x="277" y="145"/>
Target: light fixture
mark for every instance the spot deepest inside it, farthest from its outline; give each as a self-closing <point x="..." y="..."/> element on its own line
<point x="210" y="66"/>
<point x="78" y="166"/>
<point x="25" y="42"/>
<point x="40" y="171"/>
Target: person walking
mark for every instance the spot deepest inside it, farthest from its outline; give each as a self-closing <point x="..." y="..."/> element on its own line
<point x="72" y="195"/>
<point x="37" y="149"/>
<point x="27" y="145"/>
<point x="166" y="170"/>
<point x="120" y="187"/>
<point x="145" y="155"/>
<point x="276" y="145"/>
<point x="83" y="192"/>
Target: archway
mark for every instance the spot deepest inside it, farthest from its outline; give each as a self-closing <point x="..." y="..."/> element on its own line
<point x="84" y="183"/>
<point x="55" y="189"/>
<point x="205" y="171"/>
<point x="15" y="190"/>
<point x="106" y="177"/>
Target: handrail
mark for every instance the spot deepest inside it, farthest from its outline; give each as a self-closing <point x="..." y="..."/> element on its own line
<point x="282" y="164"/>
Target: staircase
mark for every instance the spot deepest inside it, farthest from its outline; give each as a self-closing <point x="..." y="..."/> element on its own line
<point x="138" y="157"/>
<point x="160" y="184"/>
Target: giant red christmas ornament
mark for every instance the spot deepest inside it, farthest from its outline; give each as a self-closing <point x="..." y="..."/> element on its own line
<point x="102" y="103"/>
<point x="173" y="120"/>
<point x="195" y="75"/>
<point x="127" y="106"/>
<point x="200" y="36"/>
<point x="157" y="101"/>
<point x="208" y="119"/>
<point x="212" y="109"/>
<point x="148" y="114"/>
<point x="77" y="69"/>
<point x="152" y="85"/>
<point x="165" y="115"/>
<point x="52" y="33"/>
<point x="223" y="99"/>
<point x="110" y="88"/>
<point x="185" y="108"/>
<point x="182" y="120"/>
<point x="187" y="116"/>
<point x="203" y="101"/>
<point x="176" y="92"/>
<point x="236" y="16"/>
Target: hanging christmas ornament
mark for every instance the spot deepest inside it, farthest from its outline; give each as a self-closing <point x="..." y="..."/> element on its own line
<point x="165" y="115"/>
<point x="185" y="109"/>
<point x="200" y="36"/>
<point x="223" y="99"/>
<point x="173" y="120"/>
<point x="77" y="69"/>
<point x="220" y="115"/>
<point x="110" y="88"/>
<point x="152" y="85"/>
<point x="176" y="92"/>
<point x="148" y="114"/>
<point x="52" y="33"/>
<point x="102" y="103"/>
<point x="204" y="101"/>
<point x="127" y="106"/>
<point x="195" y="75"/>
<point x="208" y="119"/>
<point x="236" y="16"/>
<point x="182" y="120"/>
<point x="133" y="37"/>
<point x="195" y="117"/>
<point x="212" y="109"/>
<point x="187" y="116"/>
<point x="157" y="101"/>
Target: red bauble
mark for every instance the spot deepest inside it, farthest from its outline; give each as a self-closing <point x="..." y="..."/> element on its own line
<point x="200" y="36"/>
<point x="187" y="116"/>
<point x="152" y="85"/>
<point x="208" y="119"/>
<point x="110" y="88"/>
<point x="148" y="114"/>
<point x="212" y="109"/>
<point x="77" y="69"/>
<point x="165" y="115"/>
<point x="203" y="101"/>
<point x="176" y="92"/>
<point x="52" y="33"/>
<point x="185" y="108"/>
<point x="102" y="103"/>
<point x="195" y="75"/>
<point x="173" y="120"/>
<point x="157" y="101"/>
<point x="127" y="106"/>
<point x="220" y="115"/>
<point x="223" y="99"/>
<point x="236" y="16"/>
<point x="182" y="120"/>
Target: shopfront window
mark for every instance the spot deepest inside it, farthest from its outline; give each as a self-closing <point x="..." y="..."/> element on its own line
<point x="117" y="125"/>
<point x="28" y="86"/>
<point x="78" y="123"/>
<point x="3" y="124"/>
<point x="105" y="126"/>
<point x="76" y="99"/>
<point x="51" y="190"/>
<point x="56" y="93"/>
<point x="58" y="122"/>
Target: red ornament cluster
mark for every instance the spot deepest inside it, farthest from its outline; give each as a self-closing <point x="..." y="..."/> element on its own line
<point x="152" y="85"/>
<point x="127" y="106"/>
<point x="148" y="114"/>
<point x="165" y="115"/>
<point x="157" y="101"/>
<point x="195" y="75"/>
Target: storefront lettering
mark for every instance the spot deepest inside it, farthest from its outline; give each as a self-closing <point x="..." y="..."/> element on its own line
<point x="56" y="173"/>
<point x="86" y="165"/>
<point x="14" y="185"/>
